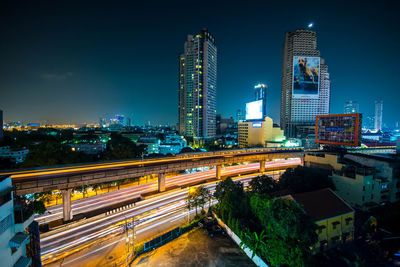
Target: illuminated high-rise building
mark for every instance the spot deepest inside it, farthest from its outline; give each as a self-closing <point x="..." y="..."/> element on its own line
<point x="239" y="115"/>
<point x="305" y="88"/>
<point x="378" y="114"/>
<point x="120" y="119"/>
<point x="198" y="86"/>
<point x="351" y="107"/>
<point x="261" y="94"/>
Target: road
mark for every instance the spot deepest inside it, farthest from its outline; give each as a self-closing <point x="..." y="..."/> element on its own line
<point x="153" y="216"/>
<point x="131" y="193"/>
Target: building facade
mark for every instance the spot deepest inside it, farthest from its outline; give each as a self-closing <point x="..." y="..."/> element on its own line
<point x="239" y="115"/>
<point x="19" y="233"/>
<point x="258" y="133"/>
<point x="333" y="216"/>
<point x="378" y="114"/>
<point x="198" y="86"/>
<point x="16" y="156"/>
<point x="299" y="108"/>
<point x="360" y="179"/>
<point x="351" y="107"/>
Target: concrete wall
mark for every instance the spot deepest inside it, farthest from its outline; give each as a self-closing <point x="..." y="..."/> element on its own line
<point x="344" y="224"/>
<point x="256" y="259"/>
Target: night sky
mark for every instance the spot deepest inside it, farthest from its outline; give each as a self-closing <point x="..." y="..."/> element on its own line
<point x="77" y="62"/>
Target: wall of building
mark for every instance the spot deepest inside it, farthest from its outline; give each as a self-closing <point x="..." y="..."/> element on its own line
<point x="386" y="169"/>
<point x="358" y="191"/>
<point x="8" y="228"/>
<point x="250" y="135"/>
<point x="335" y="235"/>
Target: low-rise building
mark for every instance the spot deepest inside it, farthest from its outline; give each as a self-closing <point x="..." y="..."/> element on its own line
<point x="89" y="148"/>
<point x="152" y="144"/>
<point x="362" y="180"/>
<point x="15" y="155"/>
<point x="258" y="133"/>
<point x="19" y="233"/>
<point x="333" y="216"/>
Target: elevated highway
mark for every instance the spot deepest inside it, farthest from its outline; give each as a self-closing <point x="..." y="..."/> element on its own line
<point x="65" y="178"/>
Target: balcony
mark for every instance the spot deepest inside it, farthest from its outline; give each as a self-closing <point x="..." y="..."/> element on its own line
<point x="23" y="262"/>
<point x="23" y="215"/>
<point x="18" y="240"/>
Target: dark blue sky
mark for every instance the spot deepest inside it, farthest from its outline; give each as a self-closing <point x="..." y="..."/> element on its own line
<point x="75" y="62"/>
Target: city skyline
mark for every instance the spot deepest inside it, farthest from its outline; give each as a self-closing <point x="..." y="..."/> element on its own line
<point x="57" y="72"/>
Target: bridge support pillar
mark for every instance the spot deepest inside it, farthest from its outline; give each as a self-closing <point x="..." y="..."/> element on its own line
<point x="67" y="209"/>
<point x="262" y="166"/>
<point x="161" y="182"/>
<point x="218" y="171"/>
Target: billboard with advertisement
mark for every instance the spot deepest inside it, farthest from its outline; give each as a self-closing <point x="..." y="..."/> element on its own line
<point x="306" y="73"/>
<point x="254" y="110"/>
<point x="338" y="129"/>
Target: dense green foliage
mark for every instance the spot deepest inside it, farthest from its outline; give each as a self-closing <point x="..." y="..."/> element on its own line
<point x="49" y="147"/>
<point x="50" y="153"/>
<point x="120" y="147"/>
<point x="232" y="200"/>
<point x="38" y="207"/>
<point x="198" y="197"/>
<point x="263" y="185"/>
<point x="277" y="230"/>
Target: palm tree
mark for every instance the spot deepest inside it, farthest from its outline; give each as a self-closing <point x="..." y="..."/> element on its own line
<point x="253" y="241"/>
<point x="192" y="198"/>
<point x="203" y="195"/>
<point x="95" y="187"/>
<point x="58" y="195"/>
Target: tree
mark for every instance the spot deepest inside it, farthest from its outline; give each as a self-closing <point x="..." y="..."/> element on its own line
<point x="254" y="242"/>
<point x="49" y="153"/>
<point x="263" y="184"/>
<point x="82" y="189"/>
<point x="291" y="232"/>
<point x="120" y="147"/>
<point x="232" y="200"/>
<point x="58" y="195"/>
<point x="193" y="197"/>
<point x="305" y="179"/>
<point x="95" y="187"/>
<point x="38" y="207"/>
<point x="44" y="196"/>
<point x="204" y="195"/>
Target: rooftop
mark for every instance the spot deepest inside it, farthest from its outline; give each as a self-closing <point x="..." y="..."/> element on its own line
<point x="322" y="204"/>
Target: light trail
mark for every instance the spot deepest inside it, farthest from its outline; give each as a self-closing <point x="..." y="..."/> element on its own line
<point x="102" y="228"/>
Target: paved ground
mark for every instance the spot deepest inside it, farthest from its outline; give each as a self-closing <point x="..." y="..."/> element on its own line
<point x="196" y="248"/>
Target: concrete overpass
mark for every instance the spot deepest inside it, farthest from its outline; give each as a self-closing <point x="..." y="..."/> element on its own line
<point x="65" y="178"/>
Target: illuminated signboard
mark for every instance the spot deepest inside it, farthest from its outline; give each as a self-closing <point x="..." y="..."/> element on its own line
<point x="306" y="73"/>
<point x="254" y="110"/>
<point x="256" y="124"/>
<point x="339" y="129"/>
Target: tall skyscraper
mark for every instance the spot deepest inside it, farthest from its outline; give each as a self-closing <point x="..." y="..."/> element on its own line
<point x="261" y="94"/>
<point x="239" y="115"/>
<point x="378" y="114"/>
<point x="351" y="107"/>
<point x="305" y="88"/>
<point x="198" y="86"/>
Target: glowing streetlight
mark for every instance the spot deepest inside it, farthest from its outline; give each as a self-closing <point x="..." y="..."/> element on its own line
<point x="310" y="25"/>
